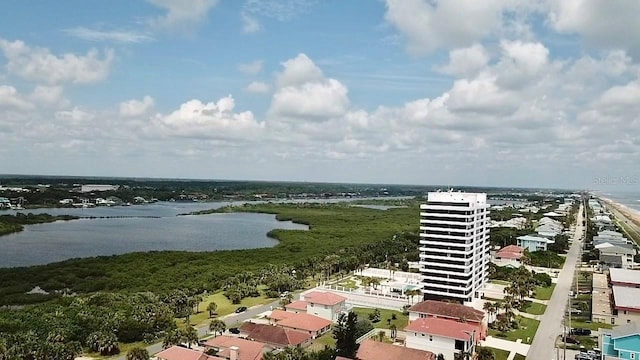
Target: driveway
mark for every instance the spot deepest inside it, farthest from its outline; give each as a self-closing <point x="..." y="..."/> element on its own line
<point x="551" y="322"/>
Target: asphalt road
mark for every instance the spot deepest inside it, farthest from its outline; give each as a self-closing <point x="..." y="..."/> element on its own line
<point x="232" y="320"/>
<point x="543" y="345"/>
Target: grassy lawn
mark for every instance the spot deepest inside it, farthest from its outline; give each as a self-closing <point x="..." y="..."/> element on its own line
<point x="224" y="306"/>
<point x="544" y="293"/>
<point x="519" y="357"/>
<point x="527" y="330"/>
<point x="500" y="354"/>
<point x="348" y="283"/>
<point x="400" y="322"/>
<point x="591" y="325"/>
<point x="324" y="340"/>
<point x="534" y="308"/>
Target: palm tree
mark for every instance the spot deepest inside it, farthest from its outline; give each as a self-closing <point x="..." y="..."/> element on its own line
<point x="172" y="338"/>
<point x="190" y="335"/>
<point x="196" y="300"/>
<point x="3" y="350"/>
<point x="484" y="353"/>
<point x="138" y="353"/>
<point x="211" y="308"/>
<point x="217" y="326"/>
<point x="440" y="357"/>
<point x="381" y="335"/>
<point x="109" y="345"/>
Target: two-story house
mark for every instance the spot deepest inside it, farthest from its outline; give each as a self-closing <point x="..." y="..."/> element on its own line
<point x="326" y="305"/>
<point x="622" y="342"/>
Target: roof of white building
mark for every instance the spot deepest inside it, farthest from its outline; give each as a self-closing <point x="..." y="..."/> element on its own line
<point x="626" y="297"/>
<point x="533" y="238"/>
<point x="625" y="276"/>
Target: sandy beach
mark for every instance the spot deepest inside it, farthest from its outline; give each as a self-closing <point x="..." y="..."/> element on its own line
<point x="626" y="215"/>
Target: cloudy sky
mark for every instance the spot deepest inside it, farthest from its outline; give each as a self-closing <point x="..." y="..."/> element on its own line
<point x="542" y="93"/>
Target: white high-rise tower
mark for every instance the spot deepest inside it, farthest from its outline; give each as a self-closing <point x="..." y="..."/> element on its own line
<point x="454" y="245"/>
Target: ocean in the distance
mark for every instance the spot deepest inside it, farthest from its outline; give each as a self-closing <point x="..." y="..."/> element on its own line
<point x="630" y="199"/>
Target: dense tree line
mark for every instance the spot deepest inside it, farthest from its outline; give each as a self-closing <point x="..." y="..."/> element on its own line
<point x="97" y="322"/>
<point x="14" y="223"/>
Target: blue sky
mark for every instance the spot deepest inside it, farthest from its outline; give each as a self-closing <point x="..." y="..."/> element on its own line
<point x="505" y="93"/>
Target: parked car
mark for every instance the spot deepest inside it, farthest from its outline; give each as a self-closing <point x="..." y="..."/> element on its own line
<point x="234" y="330"/>
<point x="571" y="340"/>
<point x="580" y="332"/>
<point x="583" y="356"/>
<point x="241" y="309"/>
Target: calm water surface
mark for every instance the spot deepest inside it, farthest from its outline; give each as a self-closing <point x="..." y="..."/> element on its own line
<point x="146" y="228"/>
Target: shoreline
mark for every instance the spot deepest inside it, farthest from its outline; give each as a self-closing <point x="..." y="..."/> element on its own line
<point x="625" y="215"/>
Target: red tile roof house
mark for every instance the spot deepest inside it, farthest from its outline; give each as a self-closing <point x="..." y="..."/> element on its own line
<point x="310" y="324"/>
<point x="234" y="348"/>
<point x="442" y="336"/>
<point x="447" y="310"/>
<point x="373" y="350"/>
<point x="182" y="353"/>
<point x="277" y="315"/>
<point x="510" y="255"/>
<point x="274" y="336"/>
<point x="324" y="304"/>
<point x="297" y="307"/>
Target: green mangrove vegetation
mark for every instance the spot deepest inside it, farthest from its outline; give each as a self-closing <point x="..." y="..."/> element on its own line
<point x="15" y="223"/>
<point x="142" y="294"/>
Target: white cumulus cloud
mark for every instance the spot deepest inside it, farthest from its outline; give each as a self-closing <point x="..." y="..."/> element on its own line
<point x="258" y="87"/>
<point x="182" y="14"/>
<point x="251" y="68"/>
<point x="135" y="107"/>
<point x="39" y="64"/>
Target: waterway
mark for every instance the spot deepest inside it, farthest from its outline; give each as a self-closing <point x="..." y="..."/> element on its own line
<point x="152" y="227"/>
<point x="104" y="231"/>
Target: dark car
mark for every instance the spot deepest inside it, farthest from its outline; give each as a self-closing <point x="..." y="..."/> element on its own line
<point x="241" y="309"/>
<point x="234" y="330"/>
<point x="571" y="340"/>
<point x="580" y="332"/>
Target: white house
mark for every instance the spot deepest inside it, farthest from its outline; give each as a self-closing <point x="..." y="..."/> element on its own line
<point x="326" y="305"/>
<point x="534" y="243"/>
<point x="442" y="336"/>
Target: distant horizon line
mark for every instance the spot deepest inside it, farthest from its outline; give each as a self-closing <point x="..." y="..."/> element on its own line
<point x="147" y="178"/>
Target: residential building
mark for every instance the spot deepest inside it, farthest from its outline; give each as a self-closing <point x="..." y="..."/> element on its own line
<point x="626" y="304"/>
<point x="310" y="324"/>
<point x="449" y="311"/>
<point x="621" y="342"/>
<point x="374" y="350"/>
<point x="624" y="277"/>
<point x="616" y="297"/>
<point x="625" y="251"/>
<point x="234" y="348"/>
<point x="509" y="256"/>
<point x="454" y="245"/>
<point x="534" y="243"/>
<point x="299" y="306"/>
<point x="326" y="305"/>
<point x="442" y="336"/>
<point x="182" y="353"/>
<point x="274" y="336"/>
